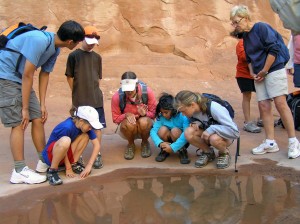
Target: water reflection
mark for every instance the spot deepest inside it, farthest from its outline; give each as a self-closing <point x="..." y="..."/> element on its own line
<point x="171" y="199"/>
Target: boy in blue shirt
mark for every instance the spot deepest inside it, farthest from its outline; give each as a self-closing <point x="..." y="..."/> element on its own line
<point x="67" y="142"/>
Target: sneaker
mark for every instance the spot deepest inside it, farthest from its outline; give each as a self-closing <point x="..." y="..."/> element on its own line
<point x="251" y="127"/>
<point x="204" y="158"/>
<point x="264" y="148"/>
<point x="53" y="177"/>
<point x="260" y="123"/>
<point x="294" y="150"/>
<point x="183" y="155"/>
<point x="41" y="167"/>
<point x="98" y="162"/>
<point x="129" y="152"/>
<point x="161" y="156"/>
<point x="146" y="151"/>
<point x="27" y="176"/>
<point x="80" y="160"/>
<point x="77" y="167"/>
<point x="223" y="160"/>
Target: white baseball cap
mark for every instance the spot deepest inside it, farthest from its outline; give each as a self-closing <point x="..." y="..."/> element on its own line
<point x="90" y="114"/>
<point x="128" y="84"/>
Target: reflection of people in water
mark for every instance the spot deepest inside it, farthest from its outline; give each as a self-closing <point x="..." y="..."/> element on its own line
<point x="138" y="204"/>
<point x="217" y="203"/>
<point x="175" y="200"/>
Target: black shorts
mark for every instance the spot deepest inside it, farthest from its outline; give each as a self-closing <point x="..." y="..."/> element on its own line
<point x="246" y="85"/>
<point x="101" y="113"/>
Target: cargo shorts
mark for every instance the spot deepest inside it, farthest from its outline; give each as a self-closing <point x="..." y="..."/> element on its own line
<point x="11" y="104"/>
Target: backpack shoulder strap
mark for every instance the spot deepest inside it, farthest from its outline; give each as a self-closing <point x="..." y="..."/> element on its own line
<point x="144" y="93"/>
<point x="122" y="100"/>
<point x="208" y="111"/>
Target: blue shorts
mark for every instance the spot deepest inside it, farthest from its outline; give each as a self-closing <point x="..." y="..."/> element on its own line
<point x="296" y="77"/>
<point x="101" y="113"/>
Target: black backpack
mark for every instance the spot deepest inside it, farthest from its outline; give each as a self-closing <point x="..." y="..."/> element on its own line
<point x="122" y="96"/>
<point x="293" y="101"/>
<point x="218" y="100"/>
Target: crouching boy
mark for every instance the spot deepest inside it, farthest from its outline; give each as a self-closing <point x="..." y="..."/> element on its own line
<point x="67" y="142"/>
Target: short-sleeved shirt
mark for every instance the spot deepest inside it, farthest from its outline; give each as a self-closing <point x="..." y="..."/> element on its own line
<point x="67" y="128"/>
<point x="86" y="70"/>
<point x="38" y="47"/>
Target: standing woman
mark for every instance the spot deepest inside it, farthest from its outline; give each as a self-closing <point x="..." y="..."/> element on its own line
<point x="267" y="55"/>
<point x="203" y="134"/>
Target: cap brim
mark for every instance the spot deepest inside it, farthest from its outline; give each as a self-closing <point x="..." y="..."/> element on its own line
<point x="128" y="87"/>
<point x="91" y="40"/>
<point x="96" y="125"/>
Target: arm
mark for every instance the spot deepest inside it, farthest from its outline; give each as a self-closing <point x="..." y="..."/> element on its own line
<point x="70" y="82"/>
<point x="96" y="149"/>
<point x="181" y="141"/>
<point x="27" y="81"/>
<point x="154" y="130"/>
<point x="151" y="104"/>
<point x="43" y="84"/>
<point x="117" y="116"/>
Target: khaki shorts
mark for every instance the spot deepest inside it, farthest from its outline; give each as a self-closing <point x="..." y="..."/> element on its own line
<point x="11" y="104"/>
<point x="275" y="84"/>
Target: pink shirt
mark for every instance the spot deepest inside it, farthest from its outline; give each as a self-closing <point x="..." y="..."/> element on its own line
<point x="118" y="117"/>
<point x="296" y="43"/>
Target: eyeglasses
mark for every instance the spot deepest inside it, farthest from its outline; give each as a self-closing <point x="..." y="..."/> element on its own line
<point x="235" y="23"/>
<point x="93" y="35"/>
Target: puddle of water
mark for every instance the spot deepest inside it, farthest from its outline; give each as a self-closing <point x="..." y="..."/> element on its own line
<point x="168" y="199"/>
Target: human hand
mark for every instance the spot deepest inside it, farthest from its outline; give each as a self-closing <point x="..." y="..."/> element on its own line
<point x="130" y="118"/>
<point x="166" y="146"/>
<point x="195" y="125"/>
<point x="142" y="109"/>
<point x="86" y="171"/>
<point x="260" y="76"/>
<point x="44" y="114"/>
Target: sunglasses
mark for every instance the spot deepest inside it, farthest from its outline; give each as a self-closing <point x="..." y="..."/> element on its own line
<point x="93" y="36"/>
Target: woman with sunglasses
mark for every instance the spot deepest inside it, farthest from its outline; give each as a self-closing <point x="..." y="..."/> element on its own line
<point x="267" y="55"/>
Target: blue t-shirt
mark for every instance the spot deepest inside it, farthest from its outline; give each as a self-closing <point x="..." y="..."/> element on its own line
<point x="38" y="47"/>
<point x="260" y="41"/>
<point x="67" y="128"/>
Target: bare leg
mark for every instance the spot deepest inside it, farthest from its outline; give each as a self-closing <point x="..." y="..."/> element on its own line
<point x="79" y="145"/>
<point x="144" y="127"/>
<point x="59" y="151"/>
<point x="246" y="105"/>
<point x="38" y="134"/>
<point x="17" y="143"/>
<point x="265" y="109"/>
<point x="194" y="137"/>
<point x="129" y="131"/>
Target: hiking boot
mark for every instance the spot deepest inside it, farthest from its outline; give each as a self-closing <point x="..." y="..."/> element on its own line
<point x="161" y="156"/>
<point x="204" y="158"/>
<point x="260" y="123"/>
<point x="251" y="127"/>
<point x="98" y="162"/>
<point x="53" y="177"/>
<point x="223" y="160"/>
<point x="146" y="151"/>
<point x="27" y="176"/>
<point x="264" y="148"/>
<point x="183" y="155"/>
<point x="77" y="167"/>
<point x="41" y="167"/>
<point x="129" y="152"/>
<point x="294" y="150"/>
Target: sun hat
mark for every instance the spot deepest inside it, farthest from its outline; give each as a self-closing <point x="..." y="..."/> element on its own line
<point x="91" y="35"/>
<point x="89" y="114"/>
<point x="128" y="84"/>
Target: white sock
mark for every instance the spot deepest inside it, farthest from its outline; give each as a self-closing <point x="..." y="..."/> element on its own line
<point x="270" y="142"/>
<point x="292" y="140"/>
